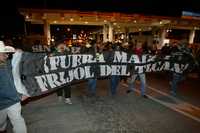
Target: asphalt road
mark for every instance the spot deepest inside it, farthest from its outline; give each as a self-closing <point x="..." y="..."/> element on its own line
<point x="123" y="113"/>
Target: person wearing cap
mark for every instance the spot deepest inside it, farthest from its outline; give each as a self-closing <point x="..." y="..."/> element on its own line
<point x="10" y="106"/>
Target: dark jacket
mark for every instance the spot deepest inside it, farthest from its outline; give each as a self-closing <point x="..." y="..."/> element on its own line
<point x="8" y="93"/>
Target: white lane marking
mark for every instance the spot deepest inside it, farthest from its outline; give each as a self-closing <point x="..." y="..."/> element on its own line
<point x="174" y="98"/>
<point x="173" y="107"/>
<point x="176" y="107"/>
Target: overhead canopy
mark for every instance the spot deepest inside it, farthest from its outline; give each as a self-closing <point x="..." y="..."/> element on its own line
<point x="118" y="20"/>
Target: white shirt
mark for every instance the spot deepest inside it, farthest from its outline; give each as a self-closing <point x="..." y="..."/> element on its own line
<point x="16" y="75"/>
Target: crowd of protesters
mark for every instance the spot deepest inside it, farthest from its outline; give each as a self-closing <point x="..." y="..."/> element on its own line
<point x="12" y="109"/>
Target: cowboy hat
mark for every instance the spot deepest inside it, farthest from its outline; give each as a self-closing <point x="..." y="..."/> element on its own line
<point x="6" y="49"/>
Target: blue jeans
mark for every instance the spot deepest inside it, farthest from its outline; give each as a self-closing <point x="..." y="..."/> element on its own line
<point x="176" y="78"/>
<point x="92" y="83"/>
<point x="142" y="82"/>
<point x="114" y="81"/>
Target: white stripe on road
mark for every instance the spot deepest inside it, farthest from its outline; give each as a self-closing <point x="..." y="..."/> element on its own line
<point x="175" y="108"/>
<point x="174" y="98"/>
<point x="178" y="107"/>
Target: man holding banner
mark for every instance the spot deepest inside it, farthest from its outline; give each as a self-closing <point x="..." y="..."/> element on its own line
<point x="138" y="51"/>
<point x="66" y="90"/>
<point x="180" y="53"/>
<point x="92" y="82"/>
<point x="9" y="97"/>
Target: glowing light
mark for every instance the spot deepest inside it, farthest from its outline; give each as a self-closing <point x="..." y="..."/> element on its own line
<point x="80" y="41"/>
<point x="169" y="30"/>
<point x="88" y="45"/>
<point x="71" y="19"/>
<point x="27" y="17"/>
<point x="86" y="22"/>
<point x="122" y="36"/>
<point x="165" y="41"/>
<point x="52" y="39"/>
<point x="74" y="36"/>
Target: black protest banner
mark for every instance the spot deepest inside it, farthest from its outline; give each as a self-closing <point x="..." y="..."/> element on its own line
<point x="42" y="73"/>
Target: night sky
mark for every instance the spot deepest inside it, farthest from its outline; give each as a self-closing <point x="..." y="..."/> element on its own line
<point x="13" y="22"/>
